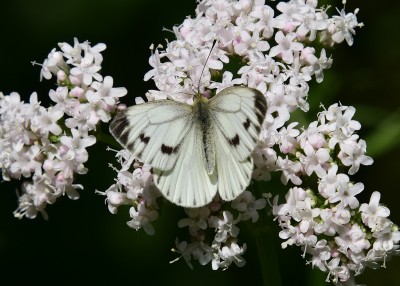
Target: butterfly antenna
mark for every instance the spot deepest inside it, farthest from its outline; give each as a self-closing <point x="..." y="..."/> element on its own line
<point x="204" y="67"/>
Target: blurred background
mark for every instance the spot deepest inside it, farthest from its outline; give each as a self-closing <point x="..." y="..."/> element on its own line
<point x="82" y="242"/>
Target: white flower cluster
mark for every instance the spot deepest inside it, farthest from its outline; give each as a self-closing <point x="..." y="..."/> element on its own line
<point x="229" y="42"/>
<point x="277" y="55"/>
<point x="314" y="150"/>
<point x="342" y="237"/>
<point x="134" y="189"/>
<point x="275" y="51"/>
<point x="49" y="144"/>
<point x="221" y="247"/>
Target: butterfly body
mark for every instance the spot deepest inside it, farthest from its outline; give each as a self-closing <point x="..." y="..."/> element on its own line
<point x="196" y="150"/>
<point x="204" y="128"/>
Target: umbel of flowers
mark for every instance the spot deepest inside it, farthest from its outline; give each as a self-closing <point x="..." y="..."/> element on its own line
<point x="46" y="146"/>
<point x="246" y="42"/>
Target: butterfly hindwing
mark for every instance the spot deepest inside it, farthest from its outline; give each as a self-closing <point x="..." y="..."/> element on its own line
<point x="233" y="175"/>
<point x="237" y="113"/>
<point x="153" y="132"/>
<point x="188" y="184"/>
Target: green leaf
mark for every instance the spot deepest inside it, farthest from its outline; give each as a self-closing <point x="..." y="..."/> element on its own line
<point x="385" y="137"/>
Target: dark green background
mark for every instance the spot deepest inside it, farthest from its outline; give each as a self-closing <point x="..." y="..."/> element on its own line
<point x="82" y="242"/>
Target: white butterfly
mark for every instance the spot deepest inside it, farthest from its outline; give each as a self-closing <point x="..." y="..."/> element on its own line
<point x="196" y="150"/>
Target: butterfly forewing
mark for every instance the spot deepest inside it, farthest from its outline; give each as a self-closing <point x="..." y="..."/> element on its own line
<point x="153" y="132"/>
<point x="238" y="113"/>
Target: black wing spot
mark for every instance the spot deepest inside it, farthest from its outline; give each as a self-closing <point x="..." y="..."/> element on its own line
<point x="234" y="141"/>
<point x="143" y="138"/>
<point x="246" y="124"/>
<point x="129" y="146"/>
<point x="168" y="149"/>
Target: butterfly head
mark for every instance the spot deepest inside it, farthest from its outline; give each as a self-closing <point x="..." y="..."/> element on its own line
<point x="207" y="94"/>
<point x="201" y="97"/>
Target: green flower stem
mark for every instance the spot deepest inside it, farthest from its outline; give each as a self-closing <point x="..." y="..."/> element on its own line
<point x="265" y="241"/>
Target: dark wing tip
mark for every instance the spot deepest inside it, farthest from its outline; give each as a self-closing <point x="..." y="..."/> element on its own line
<point x="260" y="103"/>
<point x="118" y="127"/>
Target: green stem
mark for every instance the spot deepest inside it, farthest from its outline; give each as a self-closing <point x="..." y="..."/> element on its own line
<point x="266" y="246"/>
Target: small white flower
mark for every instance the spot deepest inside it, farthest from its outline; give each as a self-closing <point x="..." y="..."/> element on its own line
<point x="319" y="65"/>
<point x="312" y="136"/>
<point x="232" y="253"/>
<point x="73" y="54"/>
<point x="344" y="25"/>
<point x="304" y="213"/>
<point x="265" y="14"/>
<point x="371" y="212"/>
<point x="87" y="69"/>
<point x="247" y="42"/>
<point x="286" y="47"/>
<point x="46" y="121"/>
<point x="25" y="163"/>
<point x="60" y="97"/>
<point x="227" y="81"/>
<point x="224" y="226"/>
<point x="76" y="146"/>
<point x="326" y="225"/>
<point x="290" y="170"/>
<point x="387" y="242"/>
<point x="294" y="199"/>
<point x="353" y="239"/>
<point x="287" y="20"/>
<point x="346" y="194"/>
<point x="108" y="94"/>
<point x="258" y="72"/>
<point x="52" y="64"/>
<point x="340" y="118"/>
<point x="197" y="219"/>
<point x="248" y="206"/>
<point x="315" y="160"/>
<point x="287" y="138"/>
<point x="353" y="154"/>
<point x="328" y="184"/>
<point x="337" y="273"/>
<point x="10" y="105"/>
<point x="142" y="217"/>
<point x="115" y="198"/>
<point x="321" y="253"/>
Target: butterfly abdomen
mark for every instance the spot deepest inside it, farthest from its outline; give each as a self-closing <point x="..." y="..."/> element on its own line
<point x="205" y="128"/>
